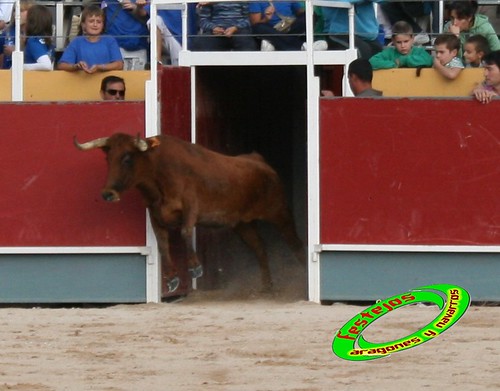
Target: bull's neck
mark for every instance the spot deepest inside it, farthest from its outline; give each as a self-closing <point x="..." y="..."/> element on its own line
<point x="150" y="193"/>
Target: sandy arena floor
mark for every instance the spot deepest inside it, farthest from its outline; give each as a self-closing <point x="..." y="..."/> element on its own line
<point x="235" y="339"/>
<point x="211" y="342"/>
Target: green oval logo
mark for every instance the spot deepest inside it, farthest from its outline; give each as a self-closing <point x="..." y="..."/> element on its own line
<point x="452" y="300"/>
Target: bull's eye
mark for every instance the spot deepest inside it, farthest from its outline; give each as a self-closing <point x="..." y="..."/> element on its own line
<point x="127" y="160"/>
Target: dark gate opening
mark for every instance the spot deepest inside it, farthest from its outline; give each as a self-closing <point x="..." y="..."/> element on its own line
<point x="262" y="109"/>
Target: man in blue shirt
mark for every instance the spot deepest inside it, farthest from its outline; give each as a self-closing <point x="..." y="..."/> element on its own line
<point x="265" y="15"/>
<point x="130" y="30"/>
<point x="336" y="27"/>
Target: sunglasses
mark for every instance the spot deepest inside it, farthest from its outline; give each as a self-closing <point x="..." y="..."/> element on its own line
<point x="114" y="92"/>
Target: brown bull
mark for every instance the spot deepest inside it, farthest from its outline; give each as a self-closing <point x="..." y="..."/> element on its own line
<point x="185" y="184"/>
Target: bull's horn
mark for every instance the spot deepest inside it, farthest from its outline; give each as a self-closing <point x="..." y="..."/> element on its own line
<point x="141" y="144"/>
<point x="97" y="143"/>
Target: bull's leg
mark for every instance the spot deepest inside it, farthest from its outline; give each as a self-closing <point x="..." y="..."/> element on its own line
<point x="194" y="266"/>
<point x="161" y="233"/>
<point x="250" y="235"/>
<point x="286" y="225"/>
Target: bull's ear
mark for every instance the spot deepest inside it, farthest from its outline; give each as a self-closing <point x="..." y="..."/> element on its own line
<point x="141" y="144"/>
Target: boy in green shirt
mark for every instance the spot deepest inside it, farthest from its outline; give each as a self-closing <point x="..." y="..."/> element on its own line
<point x="402" y="54"/>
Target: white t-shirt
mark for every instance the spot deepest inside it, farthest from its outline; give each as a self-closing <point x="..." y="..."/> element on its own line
<point x="6" y="7"/>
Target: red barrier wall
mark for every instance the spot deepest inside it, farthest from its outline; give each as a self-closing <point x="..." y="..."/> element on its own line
<point x="400" y="171"/>
<point x="51" y="191"/>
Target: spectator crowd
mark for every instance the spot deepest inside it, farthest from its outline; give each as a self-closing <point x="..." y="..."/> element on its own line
<point x="389" y="34"/>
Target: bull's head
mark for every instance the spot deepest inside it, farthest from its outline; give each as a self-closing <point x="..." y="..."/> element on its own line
<point x="123" y="154"/>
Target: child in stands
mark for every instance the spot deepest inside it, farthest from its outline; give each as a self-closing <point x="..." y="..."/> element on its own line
<point x="91" y="51"/>
<point x="38" y="51"/>
<point x="402" y="53"/>
<point x="446" y="61"/>
<point x="475" y="48"/>
<point x="10" y="32"/>
<point x="465" y="22"/>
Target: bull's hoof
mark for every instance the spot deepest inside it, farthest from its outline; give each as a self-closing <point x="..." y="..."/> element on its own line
<point x="173" y="284"/>
<point x="196" y="272"/>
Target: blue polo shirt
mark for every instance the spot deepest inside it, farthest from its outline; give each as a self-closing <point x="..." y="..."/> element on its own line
<point x="104" y="51"/>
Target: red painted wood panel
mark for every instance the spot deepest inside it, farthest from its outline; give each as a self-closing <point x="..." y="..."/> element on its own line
<point x="176" y="101"/>
<point x="50" y="192"/>
<point x="401" y="171"/>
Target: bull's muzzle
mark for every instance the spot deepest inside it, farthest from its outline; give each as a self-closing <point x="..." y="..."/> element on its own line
<point x="110" y="195"/>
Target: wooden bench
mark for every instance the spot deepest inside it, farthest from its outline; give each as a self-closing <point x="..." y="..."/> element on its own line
<point x="405" y="82"/>
<point x="70" y="86"/>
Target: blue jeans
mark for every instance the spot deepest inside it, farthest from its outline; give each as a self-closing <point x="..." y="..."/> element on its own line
<point x="242" y="40"/>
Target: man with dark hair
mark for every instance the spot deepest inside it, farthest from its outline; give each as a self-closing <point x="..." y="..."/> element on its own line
<point x="360" y="75"/>
<point x="112" y="88"/>
<point x="490" y="88"/>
